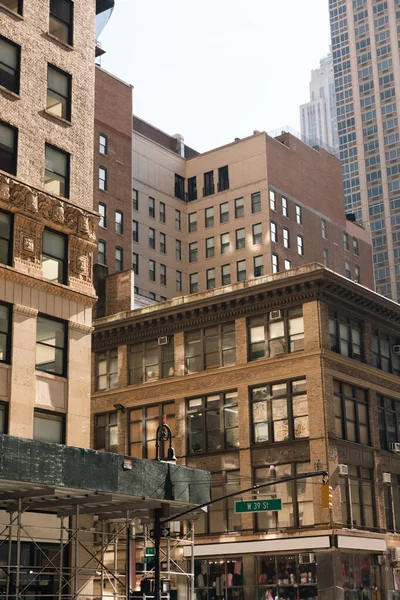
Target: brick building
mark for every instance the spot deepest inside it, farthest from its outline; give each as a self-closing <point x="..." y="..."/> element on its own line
<point x="262" y="379"/>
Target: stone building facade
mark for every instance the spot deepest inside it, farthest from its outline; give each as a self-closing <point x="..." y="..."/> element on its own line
<point x="260" y="380"/>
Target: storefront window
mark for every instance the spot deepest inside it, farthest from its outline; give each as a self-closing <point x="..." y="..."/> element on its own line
<point x="283" y="578"/>
<point x="216" y="579"/>
<point x="356" y="577"/>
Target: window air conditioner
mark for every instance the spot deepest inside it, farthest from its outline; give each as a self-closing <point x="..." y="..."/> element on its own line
<point x="380" y="559"/>
<point x="274" y="315"/>
<point x="396" y="349"/>
<point x="343" y="470"/>
<point x="163" y="341"/>
<point x="395" y="447"/>
<point x="395" y="554"/>
<point x="307" y="559"/>
<point x="386" y="478"/>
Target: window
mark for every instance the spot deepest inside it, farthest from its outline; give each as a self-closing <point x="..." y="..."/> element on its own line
<point x="210" y="279"/>
<point x="163" y="275"/>
<point x="325" y="257"/>
<point x="256" y="202"/>
<point x="383" y="356"/>
<point x="193" y="252"/>
<point x="178" y="281"/>
<point x="389" y="422"/>
<point x="357" y="491"/>
<point x="54" y="256"/>
<point x="59" y="93"/>
<point x="226" y="274"/>
<point x="10" y="55"/>
<point x="355" y="246"/>
<point x="225" y="243"/>
<point x="239" y="208"/>
<point x="224" y="212"/>
<point x="56" y="178"/>
<point x="152" y="208"/>
<point x="220" y="518"/>
<point x="106" y="432"/>
<point x="288" y="264"/>
<point x="240" y="235"/>
<point x="151" y="360"/>
<point x="208" y="189"/>
<point x="119" y="222"/>
<point x="285" y="210"/>
<point x="61" y="20"/>
<point x="210" y="348"/>
<point x="13" y="5"/>
<point x="257" y="234"/>
<point x="323" y="228"/>
<point x="103" y="145"/>
<point x="258" y="266"/>
<point x="194" y="283"/>
<point x="212" y="422"/>
<point x="6" y="228"/>
<point x="179" y="187"/>
<point x="274" y="232"/>
<point x="346" y="335"/>
<point x="102" y="179"/>
<point x="347" y="270"/>
<point x="192" y="222"/>
<point x="51" y="346"/>
<point x="279" y="412"/>
<point x="135" y="231"/>
<point x="3" y="417"/>
<point x="392" y="503"/>
<point x="210" y="247"/>
<point x="209" y="217"/>
<point x="135" y="200"/>
<point x="215" y="570"/>
<point x="276" y="333"/>
<point x="163" y="243"/>
<point x="107" y="369"/>
<point x="101" y="252"/>
<point x="103" y="215"/>
<point x="299" y="217"/>
<point x="152" y="238"/>
<point x="178" y="224"/>
<point x="178" y="249"/>
<point x="286" y="238"/>
<point x="300" y="245"/>
<point x="48" y="427"/>
<point x="275" y="263"/>
<point x="223" y="179"/>
<point x="152" y="270"/>
<point x="118" y="259"/>
<point x="351" y="413"/>
<point x="357" y="274"/>
<point x="272" y="200"/>
<point x="8" y="148"/>
<point x="162" y="212"/>
<point x="143" y="424"/>
<point x="241" y="270"/>
<point x="346" y="241"/>
<point x="192" y="189"/>
<point x="152" y="295"/>
<point x="135" y="263"/>
<point x="5" y="335"/>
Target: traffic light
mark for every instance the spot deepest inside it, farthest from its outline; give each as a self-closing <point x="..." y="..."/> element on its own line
<point x="326" y="496"/>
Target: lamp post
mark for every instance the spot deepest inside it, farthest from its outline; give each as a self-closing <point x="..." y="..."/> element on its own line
<point x="164" y="434"/>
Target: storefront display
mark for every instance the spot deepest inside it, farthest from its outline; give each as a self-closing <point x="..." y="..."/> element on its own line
<point x="284" y="578"/>
<point x="219" y="579"/>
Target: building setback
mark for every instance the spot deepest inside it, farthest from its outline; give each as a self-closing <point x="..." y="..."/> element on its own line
<point x="264" y="379"/>
<point x="366" y="63"/>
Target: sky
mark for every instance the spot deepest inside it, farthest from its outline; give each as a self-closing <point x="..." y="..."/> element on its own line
<point x="217" y="69"/>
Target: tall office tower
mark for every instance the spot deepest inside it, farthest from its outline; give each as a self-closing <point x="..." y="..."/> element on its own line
<point x="367" y="85"/>
<point x="318" y="116"/>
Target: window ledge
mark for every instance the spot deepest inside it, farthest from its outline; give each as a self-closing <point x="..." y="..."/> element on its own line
<point x="52" y="376"/>
<point x="10" y="12"/>
<point x="55" y="39"/>
<point x="9" y="94"/>
<point x="46" y="113"/>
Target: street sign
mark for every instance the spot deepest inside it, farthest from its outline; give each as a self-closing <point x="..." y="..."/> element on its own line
<point x="255" y="506"/>
<point x="164" y="532"/>
<point x="150" y="551"/>
<point x="149" y="559"/>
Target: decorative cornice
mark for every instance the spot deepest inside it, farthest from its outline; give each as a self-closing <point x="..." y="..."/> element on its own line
<point x="80" y="327"/>
<point x="25" y="310"/>
<point x="50" y="210"/>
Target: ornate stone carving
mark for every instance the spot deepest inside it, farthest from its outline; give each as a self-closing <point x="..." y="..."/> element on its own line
<point x="5" y="188"/>
<point x="80" y="327"/>
<point x="28" y="242"/>
<point x="80" y="261"/>
<point x="25" y="310"/>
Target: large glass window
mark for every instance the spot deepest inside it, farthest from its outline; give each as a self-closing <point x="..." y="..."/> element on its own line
<point x="9" y="65"/>
<point x="8" y="148"/>
<point x="48" y="427"/>
<point x="357" y="492"/>
<point x="276" y="333"/>
<point x="346" y="335"/>
<point x="5" y="333"/>
<point x="356" y="576"/>
<point x="389" y="422"/>
<point x="192" y="189"/>
<point x="385" y="352"/>
<point x="351" y="413"/>
<point x="106" y="432"/>
<point x="225" y="576"/>
<point x="58" y="92"/>
<point x="208" y="188"/>
<point x="54" y="256"/>
<point x="6" y="222"/>
<point x="56" y="180"/>
<point x="210" y="348"/>
<point x="152" y="360"/>
<point x="61" y="20"/>
<point x="143" y="424"/>
<point x="392" y="503"/>
<point x="213" y="423"/>
<point x="297" y="497"/>
<point x="179" y="187"/>
<point x="107" y="369"/>
<point x="279" y="411"/>
<point x="223" y="179"/>
<point x="221" y="517"/>
<point x="282" y="576"/>
<point x="51" y="346"/>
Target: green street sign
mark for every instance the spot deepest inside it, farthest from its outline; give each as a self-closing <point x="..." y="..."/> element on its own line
<point x="255" y="506"/>
<point x="150" y="551"/>
<point x="149" y="559"/>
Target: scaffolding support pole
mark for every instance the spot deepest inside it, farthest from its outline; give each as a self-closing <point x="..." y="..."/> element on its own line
<point x="18" y="566"/>
<point x="10" y="528"/>
<point x="102" y="553"/>
<point x="128" y="557"/>
<point x="76" y="558"/>
<point x="115" y="565"/>
<point x="192" y="562"/>
<point x="60" y="572"/>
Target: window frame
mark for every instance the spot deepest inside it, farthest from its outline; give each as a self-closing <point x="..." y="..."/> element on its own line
<point x="106" y="427"/>
<point x="263" y="320"/>
<point x="19" y="9"/>
<point x="225" y="248"/>
<point x="152" y="272"/>
<point x="14" y="154"/>
<point x="119" y="225"/>
<point x="135" y="263"/>
<point x="103" y="145"/>
<point x="68" y="25"/>
<point x="385" y="440"/>
<point x="178" y="281"/>
<point x="240" y="238"/>
<point x="285" y="207"/>
<point x="152" y="207"/>
<point x="209" y="186"/>
<point x="223" y="178"/>
<point x="239" y="271"/>
<point x="4" y="408"/>
<point x="100" y="241"/>
<point x="273" y="228"/>
<point x="193" y="252"/>
<point x="107" y="356"/>
<point x="344" y="420"/>
<point x="68" y="169"/>
<point x="300" y="245"/>
<point x="299" y="215"/>
<point x="275" y="263"/>
<point x="345" y="484"/>
<point x="208" y="220"/>
<point x="51" y="416"/>
<point x="68" y="98"/>
<point x="193" y="285"/>
<point x="380" y="337"/>
<point x="142" y="421"/>
<point x="192" y="222"/>
<point x="272" y="200"/>
<point x="135" y="199"/>
<point x="256" y="267"/>
<point x="239" y="208"/>
<point x="135" y="230"/>
<point x="337" y="321"/>
<point x="162" y="242"/>
<point x="257" y="238"/>
<point x="10" y="240"/>
<point x="64" y="238"/>
<point x="163" y="274"/>
<point x="255" y="203"/>
<point x="8" y="333"/>
<point x="210" y="247"/>
<point x="179" y="187"/>
<point x="102" y="183"/>
<point x="143" y="349"/>
<point x="152" y="238"/>
<point x="103" y="215"/>
<point x="210" y="279"/>
<point x="119" y="262"/>
<point x="17" y="71"/>
<point x="202" y="337"/>
<point x="64" y="349"/>
<point x="223" y="275"/>
<point x="222" y="213"/>
<point x="192" y="188"/>
<point x="286" y="237"/>
<point x="162" y="212"/>
<point x="178" y="249"/>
